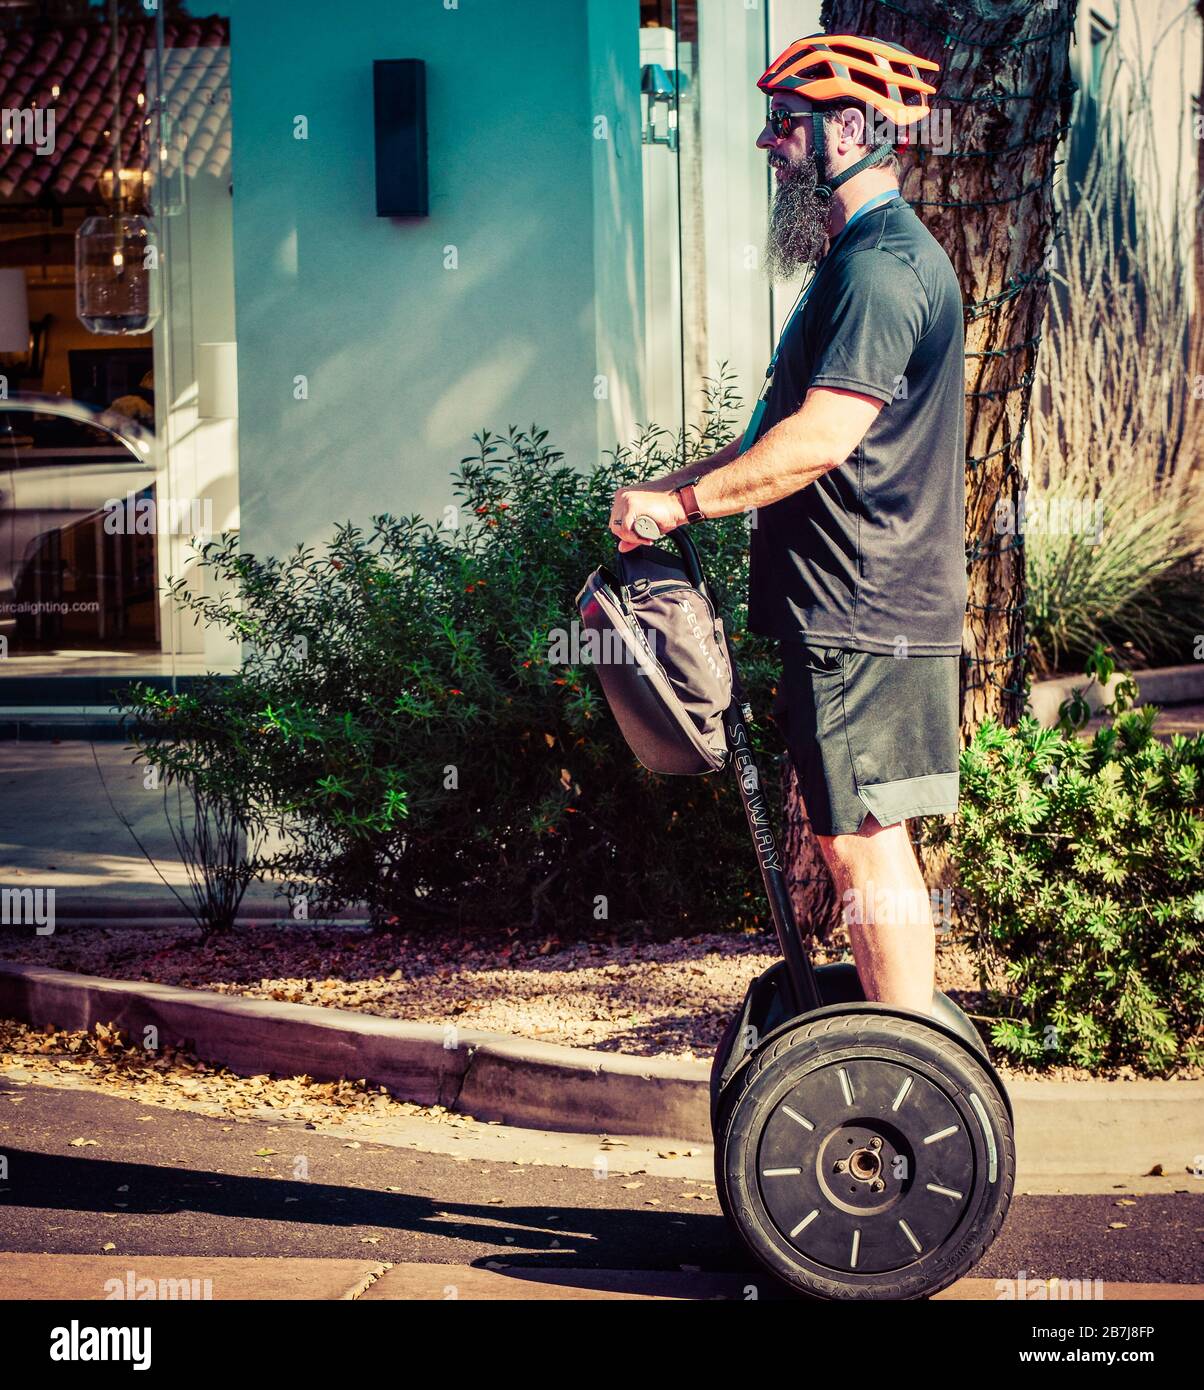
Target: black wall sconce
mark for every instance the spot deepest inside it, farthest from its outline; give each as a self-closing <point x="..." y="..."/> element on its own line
<point x="399" y="118"/>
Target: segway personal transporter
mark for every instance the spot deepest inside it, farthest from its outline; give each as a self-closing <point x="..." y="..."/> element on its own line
<point x="862" y="1151"/>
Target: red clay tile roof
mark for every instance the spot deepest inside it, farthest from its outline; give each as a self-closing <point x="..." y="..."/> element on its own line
<point x="195" y="78"/>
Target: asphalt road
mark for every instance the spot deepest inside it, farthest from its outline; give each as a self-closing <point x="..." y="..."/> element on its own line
<point x="184" y="1183"/>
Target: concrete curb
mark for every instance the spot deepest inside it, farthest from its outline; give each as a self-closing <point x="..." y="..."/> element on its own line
<point x="489" y="1075"/>
<point x="1166" y="685"/>
<point x="1062" y="1128"/>
<point x="74" y="907"/>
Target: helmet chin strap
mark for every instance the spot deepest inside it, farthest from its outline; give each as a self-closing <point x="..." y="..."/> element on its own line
<point x="825" y="188"/>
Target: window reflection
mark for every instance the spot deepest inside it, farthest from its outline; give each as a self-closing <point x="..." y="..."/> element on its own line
<point x="73" y="571"/>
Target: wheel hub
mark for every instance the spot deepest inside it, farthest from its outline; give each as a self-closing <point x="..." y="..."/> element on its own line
<point x="866" y="1164"/>
<point x="861" y="1166"/>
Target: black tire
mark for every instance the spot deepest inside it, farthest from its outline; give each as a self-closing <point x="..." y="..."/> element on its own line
<point x="722" y="1052"/>
<point x="820" y="1094"/>
<point x="717" y="1069"/>
<point x="762" y="1010"/>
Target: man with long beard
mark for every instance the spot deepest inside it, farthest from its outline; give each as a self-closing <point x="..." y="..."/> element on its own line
<point x="853" y="462"/>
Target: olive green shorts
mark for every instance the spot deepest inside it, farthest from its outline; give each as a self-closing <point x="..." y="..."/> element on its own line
<point x="869" y="733"/>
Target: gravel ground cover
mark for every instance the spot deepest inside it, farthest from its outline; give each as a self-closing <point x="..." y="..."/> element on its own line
<point x="628" y="992"/>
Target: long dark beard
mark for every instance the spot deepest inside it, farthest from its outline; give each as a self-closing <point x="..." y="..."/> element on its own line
<point x="798" y="223"/>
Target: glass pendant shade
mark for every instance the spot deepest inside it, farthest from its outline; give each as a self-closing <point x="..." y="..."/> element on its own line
<point x="117" y="274"/>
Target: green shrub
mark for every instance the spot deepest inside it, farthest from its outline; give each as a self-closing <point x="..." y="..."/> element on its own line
<point x="398" y="713"/>
<point x="1083" y="865"/>
<point x="205" y="810"/>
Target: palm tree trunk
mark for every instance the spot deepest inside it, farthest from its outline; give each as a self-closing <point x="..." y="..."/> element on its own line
<point x="1196" y="358"/>
<point x="812" y="892"/>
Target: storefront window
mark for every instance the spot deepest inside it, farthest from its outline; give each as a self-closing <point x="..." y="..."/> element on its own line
<point x="118" y="451"/>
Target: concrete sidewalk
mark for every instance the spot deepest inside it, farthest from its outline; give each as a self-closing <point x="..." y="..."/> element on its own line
<point x="90" y="1277"/>
<point x="63" y="808"/>
<point x="104" y="1277"/>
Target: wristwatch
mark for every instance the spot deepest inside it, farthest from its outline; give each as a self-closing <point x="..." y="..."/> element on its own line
<point x="685" y="494"/>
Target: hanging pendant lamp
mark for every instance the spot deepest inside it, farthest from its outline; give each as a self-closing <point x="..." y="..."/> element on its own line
<point x="117" y="255"/>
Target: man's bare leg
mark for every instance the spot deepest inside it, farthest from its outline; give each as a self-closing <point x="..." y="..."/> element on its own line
<point x="888" y="911"/>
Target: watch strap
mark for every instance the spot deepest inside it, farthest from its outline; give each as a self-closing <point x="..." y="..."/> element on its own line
<point x="689" y="502"/>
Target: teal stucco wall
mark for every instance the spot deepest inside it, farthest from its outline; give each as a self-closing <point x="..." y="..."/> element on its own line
<point x="402" y="356"/>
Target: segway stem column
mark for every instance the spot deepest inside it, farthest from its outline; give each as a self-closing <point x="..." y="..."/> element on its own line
<point x="799" y="971"/>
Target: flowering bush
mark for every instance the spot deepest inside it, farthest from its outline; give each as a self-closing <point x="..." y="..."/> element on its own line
<point x="417" y="718"/>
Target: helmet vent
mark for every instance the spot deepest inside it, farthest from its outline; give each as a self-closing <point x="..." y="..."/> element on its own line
<point x="865" y="79"/>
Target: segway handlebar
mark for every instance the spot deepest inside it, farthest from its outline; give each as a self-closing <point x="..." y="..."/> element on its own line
<point x="647" y="528"/>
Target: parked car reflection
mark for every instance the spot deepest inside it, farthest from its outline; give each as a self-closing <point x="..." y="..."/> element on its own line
<point x="65" y="579"/>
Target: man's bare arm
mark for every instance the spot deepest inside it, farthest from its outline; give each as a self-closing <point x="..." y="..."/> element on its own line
<point x="818" y="437"/>
<point x="694" y="470"/>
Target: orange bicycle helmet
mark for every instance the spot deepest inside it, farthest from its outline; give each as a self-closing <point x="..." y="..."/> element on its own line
<point x="830" y="69"/>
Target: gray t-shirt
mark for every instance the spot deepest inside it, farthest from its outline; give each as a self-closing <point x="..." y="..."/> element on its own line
<point x="873" y="551"/>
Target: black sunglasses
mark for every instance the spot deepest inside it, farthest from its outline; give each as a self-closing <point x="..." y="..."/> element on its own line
<point x="781" y="121"/>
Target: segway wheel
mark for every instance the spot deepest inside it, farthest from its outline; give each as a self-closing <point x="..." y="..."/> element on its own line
<point x="865" y="1156"/>
<point x="718" y="1066"/>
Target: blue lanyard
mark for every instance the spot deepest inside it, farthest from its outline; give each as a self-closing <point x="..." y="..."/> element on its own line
<point x="759" y="410"/>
